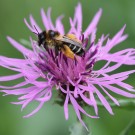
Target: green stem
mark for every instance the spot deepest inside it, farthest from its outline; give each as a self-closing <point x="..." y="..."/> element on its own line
<point x="130" y="129"/>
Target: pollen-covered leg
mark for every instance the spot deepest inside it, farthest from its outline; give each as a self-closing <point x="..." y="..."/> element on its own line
<point x="67" y="51"/>
<point x="56" y="51"/>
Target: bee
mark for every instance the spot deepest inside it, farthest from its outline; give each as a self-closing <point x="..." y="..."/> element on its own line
<point x="68" y="44"/>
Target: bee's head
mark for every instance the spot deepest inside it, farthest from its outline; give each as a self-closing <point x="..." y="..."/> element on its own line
<point x="41" y="37"/>
<point x="45" y="35"/>
<point x="52" y="34"/>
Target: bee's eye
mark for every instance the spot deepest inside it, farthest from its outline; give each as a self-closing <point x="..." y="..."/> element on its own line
<point x="52" y="33"/>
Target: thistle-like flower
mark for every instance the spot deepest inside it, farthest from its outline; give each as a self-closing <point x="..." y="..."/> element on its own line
<point x="76" y="81"/>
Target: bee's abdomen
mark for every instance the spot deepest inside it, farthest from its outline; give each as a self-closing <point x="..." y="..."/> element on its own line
<point x="76" y="49"/>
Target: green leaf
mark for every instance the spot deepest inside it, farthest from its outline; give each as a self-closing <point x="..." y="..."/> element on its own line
<point x="130" y="129"/>
<point x="128" y="104"/>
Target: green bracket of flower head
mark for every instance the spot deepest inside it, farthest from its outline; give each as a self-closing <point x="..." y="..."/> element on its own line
<point x="78" y="129"/>
<point x="26" y="43"/>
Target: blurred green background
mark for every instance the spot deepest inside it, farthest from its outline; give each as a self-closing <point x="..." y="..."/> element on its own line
<point x="50" y="119"/>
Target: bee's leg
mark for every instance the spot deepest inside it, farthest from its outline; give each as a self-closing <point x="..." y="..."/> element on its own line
<point x="46" y="47"/>
<point x="67" y="52"/>
<point x="56" y="51"/>
<point x="75" y="60"/>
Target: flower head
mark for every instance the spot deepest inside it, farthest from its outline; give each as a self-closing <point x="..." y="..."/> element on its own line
<point x="76" y="81"/>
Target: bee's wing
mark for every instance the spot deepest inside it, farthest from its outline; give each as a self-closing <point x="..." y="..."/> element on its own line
<point x="68" y="40"/>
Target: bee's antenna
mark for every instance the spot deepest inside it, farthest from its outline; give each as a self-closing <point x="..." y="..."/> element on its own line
<point x="35" y="33"/>
<point x="36" y="30"/>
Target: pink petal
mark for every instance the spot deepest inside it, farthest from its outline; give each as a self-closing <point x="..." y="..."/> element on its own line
<point x="29" y="26"/>
<point x="79" y="17"/>
<point x="49" y="19"/>
<point x="119" y="91"/>
<point x="77" y="111"/>
<point x="85" y="99"/>
<point x="116" y="38"/>
<point x="75" y="104"/>
<point x="4" y="61"/>
<point x="77" y="21"/>
<point x="59" y="25"/>
<point x="66" y="107"/>
<point x="45" y="20"/>
<point x="44" y="97"/>
<point x="94" y="102"/>
<point x="126" y="86"/>
<point x="103" y="100"/>
<point x="111" y="97"/>
<point x="19" y="91"/>
<point x="122" y="74"/>
<point x="35" y="111"/>
<point x="10" y="77"/>
<point x="18" y="103"/>
<point x="33" y="23"/>
<point x="19" y="47"/>
<point x="15" y="86"/>
<point x="93" y="24"/>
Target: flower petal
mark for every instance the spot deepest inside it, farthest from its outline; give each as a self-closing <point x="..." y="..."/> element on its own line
<point x="119" y="91"/>
<point x="103" y="100"/>
<point x="93" y="24"/>
<point x="66" y="107"/>
<point x="10" y="77"/>
<point x="59" y="25"/>
<point x="19" y="47"/>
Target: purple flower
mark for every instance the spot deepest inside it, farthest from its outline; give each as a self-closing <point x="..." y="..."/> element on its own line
<point x="76" y="82"/>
